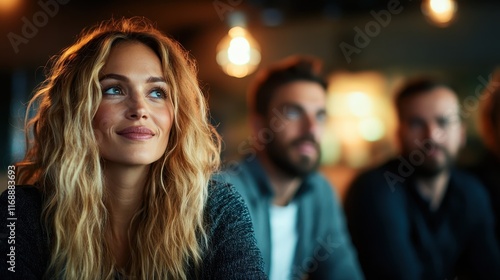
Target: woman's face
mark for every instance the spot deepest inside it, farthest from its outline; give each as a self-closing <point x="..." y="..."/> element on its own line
<point x="133" y="121"/>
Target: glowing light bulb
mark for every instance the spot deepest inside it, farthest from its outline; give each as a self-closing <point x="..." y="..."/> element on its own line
<point x="440" y="6"/>
<point x="440" y="12"/>
<point x="238" y="53"/>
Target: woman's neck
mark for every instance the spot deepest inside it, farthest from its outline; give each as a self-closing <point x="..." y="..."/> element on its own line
<point x="124" y="186"/>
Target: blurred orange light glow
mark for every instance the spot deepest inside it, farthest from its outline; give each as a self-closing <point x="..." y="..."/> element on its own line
<point x="8" y="6"/>
<point x="440" y="12"/>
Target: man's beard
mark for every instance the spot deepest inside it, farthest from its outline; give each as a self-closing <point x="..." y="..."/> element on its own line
<point x="430" y="168"/>
<point x="305" y="165"/>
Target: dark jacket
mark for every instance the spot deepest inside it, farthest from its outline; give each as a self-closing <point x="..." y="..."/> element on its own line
<point x="399" y="237"/>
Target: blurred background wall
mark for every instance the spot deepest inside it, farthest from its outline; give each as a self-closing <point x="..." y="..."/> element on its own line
<point x="368" y="48"/>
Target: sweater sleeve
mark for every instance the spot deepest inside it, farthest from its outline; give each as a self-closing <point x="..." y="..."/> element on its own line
<point x="22" y="252"/>
<point x="233" y="252"/>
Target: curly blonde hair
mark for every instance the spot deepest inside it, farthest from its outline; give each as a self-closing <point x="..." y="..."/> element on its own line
<point x="63" y="160"/>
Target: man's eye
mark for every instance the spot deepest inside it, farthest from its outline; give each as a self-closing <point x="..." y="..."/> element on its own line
<point x="112" y="91"/>
<point x="292" y="113"/>
<point x="444" y="122"/>
<point x="321" y="117"/>
<point x="416" y="123"/>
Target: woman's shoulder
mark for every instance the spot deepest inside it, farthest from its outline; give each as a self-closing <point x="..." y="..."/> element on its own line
<point x="22" y="198"/>
<point x="223" y="195"/>
<point x="230" y="232"/>
<point x="22" y="204"/>
<point x="21" y="208"/>
<point x="225" y="206"/>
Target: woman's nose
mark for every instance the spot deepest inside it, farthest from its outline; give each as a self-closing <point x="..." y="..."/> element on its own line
<point x="137" y="108"/>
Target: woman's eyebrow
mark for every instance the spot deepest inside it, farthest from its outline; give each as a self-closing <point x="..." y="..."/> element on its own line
<point x="156" y="80"/>
<point x="114" y="77"/>
<point x="125" y="79"/>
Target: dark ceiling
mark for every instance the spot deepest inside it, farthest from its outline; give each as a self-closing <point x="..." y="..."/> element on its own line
<point x="464" y="51"/>
<point x="182" y="19"/>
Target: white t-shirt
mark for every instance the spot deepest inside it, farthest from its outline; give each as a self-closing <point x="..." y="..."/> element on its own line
<point x="284" y="238"/>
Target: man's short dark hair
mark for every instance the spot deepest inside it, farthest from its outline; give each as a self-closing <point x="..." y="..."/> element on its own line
<point x="292" y="69"/>
<point x="417" y="86"/>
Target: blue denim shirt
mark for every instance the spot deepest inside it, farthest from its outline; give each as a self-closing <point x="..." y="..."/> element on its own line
<point x="324" y="249"/>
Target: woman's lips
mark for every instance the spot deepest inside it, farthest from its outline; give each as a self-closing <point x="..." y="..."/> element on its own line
<point x="136" y="133"/>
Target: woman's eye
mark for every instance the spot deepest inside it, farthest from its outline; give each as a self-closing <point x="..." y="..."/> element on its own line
<point x="112" y="91"/>
<point x="158" y="93"/>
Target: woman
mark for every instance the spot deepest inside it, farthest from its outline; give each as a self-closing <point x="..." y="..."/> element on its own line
<point x="120" y="161"/>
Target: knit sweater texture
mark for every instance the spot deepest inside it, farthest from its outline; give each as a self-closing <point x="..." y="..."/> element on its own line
<point x="232" y="252"/>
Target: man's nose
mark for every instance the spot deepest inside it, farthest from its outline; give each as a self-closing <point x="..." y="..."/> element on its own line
<point x="434" y="132"/>
<point x="312" y="126"/>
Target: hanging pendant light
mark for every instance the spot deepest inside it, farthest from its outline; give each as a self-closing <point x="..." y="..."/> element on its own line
<point x="439" y="12"/>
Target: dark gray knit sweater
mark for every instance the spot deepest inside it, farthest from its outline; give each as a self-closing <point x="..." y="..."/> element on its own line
<point x="232" y="252"/>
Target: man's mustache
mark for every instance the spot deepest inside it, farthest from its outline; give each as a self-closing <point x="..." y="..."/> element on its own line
<point x="305" y="138"/>
<point x="436" y="147"/>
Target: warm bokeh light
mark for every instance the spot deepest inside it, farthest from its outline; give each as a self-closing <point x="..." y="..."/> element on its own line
<point x="238" y="53"/>
<point x="440" y="12"/>
<point x="359" y="104"/>
<point x="441" y="6"/>
<point x="371" y="129"/>
<point x="330" y="151"/>
<point x="360" y="113"/>
<point x="7" y="6"/>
